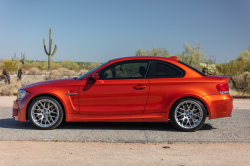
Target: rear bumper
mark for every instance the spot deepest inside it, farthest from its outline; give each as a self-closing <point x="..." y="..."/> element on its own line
<point x="219" y="106"/>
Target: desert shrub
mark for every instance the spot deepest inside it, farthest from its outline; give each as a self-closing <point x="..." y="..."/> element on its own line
<point x="54" y="74"/>
<point x="82" y="71"/>
<point x="9" y="89"/>
<point x="240" y="83"/>
<point x="45" y="72"/>
<point x="60" y="73"/>
<point x="10" y="65"/>
<point x="2" y="83"/>
<point x="17" y="64"/>
<point x="13" y="65"/>
<point x="93" y="65"/>
<point x="34" y="71"/>
<point x="193" y="56"/>
<point x="236" y="67"/>
<point x="26" y="66"/>
<point x="154" y="52"/>
<point x="70" y="65"/>
<point x="1" y="65"/>
<point x="40" y="65"/>
<point x="55" y="65"/>
<point x="71" y="74"/>
<point x="30" y="80"/>
<point x="209" y="69"/>
<point x="233" y="67"/>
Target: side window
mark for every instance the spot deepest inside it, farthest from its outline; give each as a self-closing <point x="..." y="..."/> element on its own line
<point x="125" y="70"/>
<point x="165" y="70"/>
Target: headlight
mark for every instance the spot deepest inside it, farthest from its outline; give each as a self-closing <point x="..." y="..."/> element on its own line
<point x="21" y="94"/>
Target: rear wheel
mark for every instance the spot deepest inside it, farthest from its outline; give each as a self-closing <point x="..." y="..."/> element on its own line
<point x="45" y="113"/>
<point x="188" y="114"/>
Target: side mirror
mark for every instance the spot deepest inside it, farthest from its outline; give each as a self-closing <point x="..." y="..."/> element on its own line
<point x="95" y="76"/>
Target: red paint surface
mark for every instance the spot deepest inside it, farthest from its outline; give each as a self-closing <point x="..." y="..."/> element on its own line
<point x="129" y="99"/>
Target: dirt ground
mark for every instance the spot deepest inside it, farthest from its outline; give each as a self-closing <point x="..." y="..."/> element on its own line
<point x="108" y="154"/>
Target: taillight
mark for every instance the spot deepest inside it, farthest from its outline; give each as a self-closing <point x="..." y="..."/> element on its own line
<point x="222" y="88"/>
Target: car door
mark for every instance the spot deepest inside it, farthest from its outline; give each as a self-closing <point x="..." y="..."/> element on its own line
<point x="165" y="79"/>
<point x="122" y="88"/>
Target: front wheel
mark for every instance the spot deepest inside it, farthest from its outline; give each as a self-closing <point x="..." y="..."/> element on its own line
<point x="45" y="113"/>
<point x="188" y="114"/>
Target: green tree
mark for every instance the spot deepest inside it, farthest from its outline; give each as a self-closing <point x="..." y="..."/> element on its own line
<point x="140" y="52"/>
<point x="192" y="55"/>
<point x="244" y="55"/>
<point x="162" y="52"/>
<point x="49" y="53"/>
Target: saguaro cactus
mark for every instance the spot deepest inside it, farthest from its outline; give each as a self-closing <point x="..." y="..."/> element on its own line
<point x="23" y="58"/>
<point x="49" y="53"/>
<point x="19" y="75"/>
<point x="7" y="76"/>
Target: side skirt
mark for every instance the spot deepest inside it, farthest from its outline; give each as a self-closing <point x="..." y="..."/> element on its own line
<point x="154" y="117"/>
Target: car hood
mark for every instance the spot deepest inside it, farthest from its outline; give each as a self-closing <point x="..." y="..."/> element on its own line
<point x="57" y="82"/>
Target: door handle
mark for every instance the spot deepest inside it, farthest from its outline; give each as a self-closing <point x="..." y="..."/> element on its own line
<point x="139" y="87"/>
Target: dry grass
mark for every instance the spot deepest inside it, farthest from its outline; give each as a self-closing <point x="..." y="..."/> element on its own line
<point x="34" y="71"/>
<point x="81" y="72"/>
<point x="9" y="89"/>
<point x="60" y="73"/>
<point x="233" y="92"/>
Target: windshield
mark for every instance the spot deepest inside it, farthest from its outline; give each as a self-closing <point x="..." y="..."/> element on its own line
<point x="91" y="71"/>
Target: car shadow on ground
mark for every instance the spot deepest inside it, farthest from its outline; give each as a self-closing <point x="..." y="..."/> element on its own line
<point x="157" y="126"/>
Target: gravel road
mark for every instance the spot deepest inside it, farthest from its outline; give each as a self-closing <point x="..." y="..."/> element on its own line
<point x="231" y="129"/>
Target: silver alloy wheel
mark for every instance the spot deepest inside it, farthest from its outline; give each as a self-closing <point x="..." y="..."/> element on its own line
<point x="45" y="113"/>
<point x="188" y="114"/>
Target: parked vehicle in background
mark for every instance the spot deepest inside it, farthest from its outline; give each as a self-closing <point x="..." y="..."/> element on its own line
<point x="131" y="89"/>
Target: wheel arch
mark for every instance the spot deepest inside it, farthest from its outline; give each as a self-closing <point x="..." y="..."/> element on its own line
<point x="50" y="95"/>
<point x="197" y="98"/>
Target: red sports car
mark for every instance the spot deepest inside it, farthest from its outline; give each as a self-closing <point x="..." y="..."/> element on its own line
<point x="131" y="89"/>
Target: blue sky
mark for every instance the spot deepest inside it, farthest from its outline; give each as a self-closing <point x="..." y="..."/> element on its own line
<point x="99" y="30"/>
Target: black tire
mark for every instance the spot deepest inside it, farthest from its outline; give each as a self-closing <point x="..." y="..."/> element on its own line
<point x="189" y="116"/>
<point x="46" y="114"/>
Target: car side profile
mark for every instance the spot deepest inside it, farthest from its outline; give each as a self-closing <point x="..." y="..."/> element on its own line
<point x="130" y="89"/>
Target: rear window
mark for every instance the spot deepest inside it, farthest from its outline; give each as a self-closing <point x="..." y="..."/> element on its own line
<point x="198" y="71"/>
<point x="165" y="70"/>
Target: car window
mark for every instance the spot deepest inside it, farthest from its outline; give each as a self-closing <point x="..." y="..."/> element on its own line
<point x="198" y="71"/>
<point x="125" y="70"/>
<point x="165" y="70"/>
<point x="91" y="71"/>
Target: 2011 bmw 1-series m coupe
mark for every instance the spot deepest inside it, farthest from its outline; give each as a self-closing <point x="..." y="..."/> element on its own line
<point x="130" y="89"/>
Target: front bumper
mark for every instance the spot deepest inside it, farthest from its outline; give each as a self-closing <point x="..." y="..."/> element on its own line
<point x="19" y="108"/>
<point x="219" y="106"/>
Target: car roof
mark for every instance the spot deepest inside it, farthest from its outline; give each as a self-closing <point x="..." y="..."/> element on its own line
<point x="143" y="57"/>
<point x="189" y="72"/>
